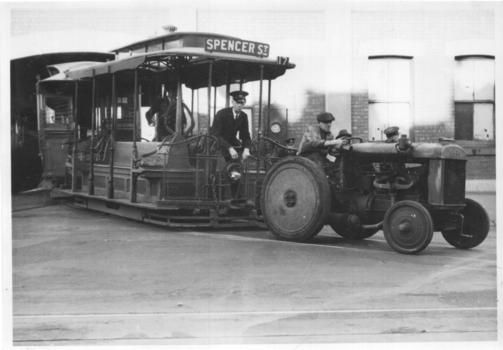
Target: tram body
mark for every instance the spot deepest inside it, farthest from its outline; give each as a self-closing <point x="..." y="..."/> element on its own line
<point x="94" y="111"/>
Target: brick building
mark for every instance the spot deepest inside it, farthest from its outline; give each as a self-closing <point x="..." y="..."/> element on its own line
<point x="426" y="67"/>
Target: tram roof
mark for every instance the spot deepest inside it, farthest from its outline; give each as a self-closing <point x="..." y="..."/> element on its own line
<point x="179" y="39"/>
<point x="195" y="68"/>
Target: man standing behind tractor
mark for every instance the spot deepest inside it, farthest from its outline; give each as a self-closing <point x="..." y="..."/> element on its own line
<point x="391" y="134"/>
<point x="318" y="139"/>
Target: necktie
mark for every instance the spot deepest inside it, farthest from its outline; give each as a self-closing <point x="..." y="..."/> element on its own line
<point x="236" y="116"/>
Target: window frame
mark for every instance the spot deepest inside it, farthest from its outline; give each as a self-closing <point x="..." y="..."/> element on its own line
<point x="391" y="101"/>
<point x="459" y="102"/>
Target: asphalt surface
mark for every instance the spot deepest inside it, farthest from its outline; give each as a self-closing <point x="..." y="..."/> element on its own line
<point x="84" y="278"/>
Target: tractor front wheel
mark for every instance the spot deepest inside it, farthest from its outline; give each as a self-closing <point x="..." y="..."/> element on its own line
<point x="408" y="227"/>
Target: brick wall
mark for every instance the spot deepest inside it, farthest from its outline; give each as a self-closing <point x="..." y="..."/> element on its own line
<point x="480" y="167"/>
<point x="432" y="71"/>
<point x="359" y="115"/>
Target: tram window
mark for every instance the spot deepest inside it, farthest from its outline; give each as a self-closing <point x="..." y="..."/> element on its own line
<point x="155" y="47"/>
<point x="172" y="44"/>
<point x="140" y="50"/>
<point x="58" y="109"/>
<point x="147" y="132"/>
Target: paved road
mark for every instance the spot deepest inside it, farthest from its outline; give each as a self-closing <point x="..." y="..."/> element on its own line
<point x="84" y="278"/>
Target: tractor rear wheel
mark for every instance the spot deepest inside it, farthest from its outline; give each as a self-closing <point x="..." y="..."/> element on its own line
<point x="475" y="227"/>
<point x="408" y="227"/>
<point x="295" y="199"/>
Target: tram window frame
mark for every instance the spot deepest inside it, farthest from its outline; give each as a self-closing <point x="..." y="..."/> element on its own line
<point x="53" y="118"/>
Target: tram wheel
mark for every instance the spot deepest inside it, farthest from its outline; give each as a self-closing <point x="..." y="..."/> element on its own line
<point x="295" y="199"/>
<point x="475" y="227"/>
<point x="408" y="227"/>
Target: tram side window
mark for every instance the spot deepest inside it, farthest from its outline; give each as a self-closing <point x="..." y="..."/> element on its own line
<point x="58" y="109"/>
<point x="125" y="118"/>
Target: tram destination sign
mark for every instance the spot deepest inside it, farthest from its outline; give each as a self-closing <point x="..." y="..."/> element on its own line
<point x="242" y="47"/>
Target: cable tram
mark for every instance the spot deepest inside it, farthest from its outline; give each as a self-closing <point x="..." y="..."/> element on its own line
<point x="179" y="177"/>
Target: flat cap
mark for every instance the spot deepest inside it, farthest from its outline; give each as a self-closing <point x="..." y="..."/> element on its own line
<point x="238" y="95"/>
<point x="290" y="139"/>
<point x="392" y="130"/>
<point x="325" y="117"/>
<point x="343" y="133"/>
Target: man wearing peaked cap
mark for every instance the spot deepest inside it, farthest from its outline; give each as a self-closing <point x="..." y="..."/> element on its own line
<point x="290" y="142"/>
<point x="391" y="134"/>
<point x="325" y="117"/>
<point x="239" y="95"/>
<point x="226" y="124"/>
<point x="292" y="151"/>
<point x="318" y="139"/>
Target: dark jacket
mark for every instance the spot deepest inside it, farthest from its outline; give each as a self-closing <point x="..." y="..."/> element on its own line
<point x="225" y="128"/>
<point x="163" y="118"/>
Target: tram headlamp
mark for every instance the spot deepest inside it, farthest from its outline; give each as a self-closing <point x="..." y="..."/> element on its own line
<point x="276" y="128"/>
<point x="233" y="172"/>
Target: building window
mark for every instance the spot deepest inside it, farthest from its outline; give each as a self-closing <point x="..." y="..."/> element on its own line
<point x="389" y="95"/>
<point x="474" y="99"/>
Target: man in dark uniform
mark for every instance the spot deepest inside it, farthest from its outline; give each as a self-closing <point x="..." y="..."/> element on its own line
<point x="165" y="123"/>
<point x="391" y="134"/>
<point x="226" y="124"/>
<point x="290" y="143"/>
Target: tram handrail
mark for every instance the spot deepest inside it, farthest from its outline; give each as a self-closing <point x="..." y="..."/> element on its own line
<point x="170" y="144"/>
<point x="279" y="148"/>
<point x="276" y="143"/>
